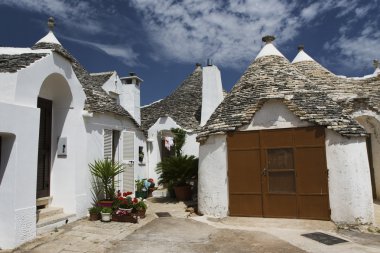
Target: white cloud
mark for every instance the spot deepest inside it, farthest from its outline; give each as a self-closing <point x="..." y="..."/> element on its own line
<point x="78" y="15"/>
<point x="230" y="33"/>
<point x="124" y="53"/>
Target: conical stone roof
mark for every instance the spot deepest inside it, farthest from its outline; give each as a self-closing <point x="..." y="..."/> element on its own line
<point x="183" y="105"/>
<point x="273" y="77"/>
<point x="352" y="94"/>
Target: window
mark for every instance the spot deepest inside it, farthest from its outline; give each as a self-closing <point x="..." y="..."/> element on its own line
<point x="281" y="171"/>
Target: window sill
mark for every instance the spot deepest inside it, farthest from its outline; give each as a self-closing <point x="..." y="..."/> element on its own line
<point x="142" y="163"/>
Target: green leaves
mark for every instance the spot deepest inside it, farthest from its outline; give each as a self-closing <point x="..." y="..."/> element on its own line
<point x="177" y="170"/>
<point x="106" y="171"/>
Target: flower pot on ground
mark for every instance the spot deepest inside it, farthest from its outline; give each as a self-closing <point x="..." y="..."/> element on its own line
<point x="183" y="193"/>
<point x="94" y="213"/>
<point x="106" y="214"/>
<point x="139" y="207"/>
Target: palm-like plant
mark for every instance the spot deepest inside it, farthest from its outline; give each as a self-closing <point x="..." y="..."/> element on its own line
<point x="106" y="171"/>
<point x="177" y="170"/>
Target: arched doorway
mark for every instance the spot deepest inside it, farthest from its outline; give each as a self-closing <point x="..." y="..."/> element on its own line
<point x="54" y="101"/>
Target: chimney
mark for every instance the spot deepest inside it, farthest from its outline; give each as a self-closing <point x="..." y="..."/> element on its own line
<point x="130" y="95"/>
<point x="300" y="48"/>
<point x="268" y="39"/>
<point x="212" y="91"/>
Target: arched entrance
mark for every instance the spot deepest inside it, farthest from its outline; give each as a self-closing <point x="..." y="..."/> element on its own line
<point x="54" y="101"/>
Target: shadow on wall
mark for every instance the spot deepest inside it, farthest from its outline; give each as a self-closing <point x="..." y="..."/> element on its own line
<point x="6" y="144"/>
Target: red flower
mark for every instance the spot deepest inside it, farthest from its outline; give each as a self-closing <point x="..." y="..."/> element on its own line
<point x="135" y="200"/>
<point x="120" y="198"/>
<point x="125" y="194"/>
<point x="150" y="180"/>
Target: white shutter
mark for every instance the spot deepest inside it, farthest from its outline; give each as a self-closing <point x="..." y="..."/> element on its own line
<point x="129" y="160"/>
<point x="107" y="147"/>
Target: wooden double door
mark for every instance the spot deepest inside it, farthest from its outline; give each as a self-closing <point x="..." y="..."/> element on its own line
<point x="278" y="173"/>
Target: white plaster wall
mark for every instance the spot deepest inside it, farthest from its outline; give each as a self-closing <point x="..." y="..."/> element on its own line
<point x="212" y="177"/>
<point x="274" y="114"/>
<point x="350" y="190"/>
<point x="371" y="123"/>
<point x="94" y="128"/>
<point x="212" y="92"/>
<point x="18" y="170"/>
<point x="191" y="147"/>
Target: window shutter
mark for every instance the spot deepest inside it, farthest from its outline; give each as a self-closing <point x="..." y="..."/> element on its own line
<point x="107" y="148"/>
<point x="128" y="160"/>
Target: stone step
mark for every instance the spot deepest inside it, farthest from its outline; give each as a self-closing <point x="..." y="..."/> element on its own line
<point x="47" y="212"/>
<point x="159" y="193"/>
<point x="45" y="201"/>
<point x="51" y="222"/>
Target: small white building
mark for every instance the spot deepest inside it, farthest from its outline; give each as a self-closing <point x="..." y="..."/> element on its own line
<point x="188" y="108"/>
<point x="55" y="119"/>
<point x="292" y="140"/>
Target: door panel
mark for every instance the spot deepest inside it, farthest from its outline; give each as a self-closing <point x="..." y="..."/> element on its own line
<point x="280" y="205"/>
<point x="44" y="148"/>
<point x="245" y="197"/>
<point x="288" y="164"/>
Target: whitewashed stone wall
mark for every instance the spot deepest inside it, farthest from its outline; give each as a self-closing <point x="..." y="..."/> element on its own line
<point x="212" y="177"/>
<point x="349" y="179"/>
<point x="191" y="146"/>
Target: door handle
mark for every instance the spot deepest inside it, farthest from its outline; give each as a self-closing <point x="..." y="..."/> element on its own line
<point x="264" y="172"/>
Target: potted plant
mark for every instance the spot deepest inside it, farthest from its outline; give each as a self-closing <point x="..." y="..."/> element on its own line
<point x="139" y="207"/>
<point x="104" y="173"/>
<point x="151" y="187"/>
<point x="106" y="214"/>
<point x="94" y="213"/>
<point x="141" y="190"/>
<point x="126" y="204"/>
<point x="178" y="171"/>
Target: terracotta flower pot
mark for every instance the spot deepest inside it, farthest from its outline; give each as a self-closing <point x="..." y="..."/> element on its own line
<point x="183" y="193"/>
<point x="94" y="216"/>
<point x="105" y="203"/>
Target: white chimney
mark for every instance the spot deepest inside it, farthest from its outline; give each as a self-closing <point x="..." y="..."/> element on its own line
<point x="212" y="91"/>
<point x="130" y="95"/>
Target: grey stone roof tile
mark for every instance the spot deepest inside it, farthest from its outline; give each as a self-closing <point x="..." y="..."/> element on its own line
<point x="273" y="77"/>
<point x="183" y="105"/>
<point x="11" y="63"/>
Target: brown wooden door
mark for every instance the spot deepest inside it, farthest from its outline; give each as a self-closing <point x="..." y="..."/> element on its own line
<point x="289" y="165"/>
<point x="44" y="148"/>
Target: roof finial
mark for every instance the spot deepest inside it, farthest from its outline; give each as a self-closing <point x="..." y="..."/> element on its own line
<point x="268" y="39"/>
<point x="51" y="23"/>
<point x="300" y="47"/>
<point x="376" y="64"/>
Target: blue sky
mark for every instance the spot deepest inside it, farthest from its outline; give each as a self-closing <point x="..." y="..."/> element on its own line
<point x="162" y="40"/>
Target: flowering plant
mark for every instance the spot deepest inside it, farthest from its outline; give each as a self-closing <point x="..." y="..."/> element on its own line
<point x="139" y="204"/>
<point x="124" y="200"/>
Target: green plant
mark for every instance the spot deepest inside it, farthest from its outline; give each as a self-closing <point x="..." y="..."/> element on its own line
<point x="97" y="190"/>
<point x="126" y="203"/>
<point x="177" y="170"/>
<point x="105" y="171"/>
<point x="140" y="205"/>
<point x="140" y="184"/>
<point x="179" y="140"/>
<point x="95" y="210"/>
<point x="106" y="210"/>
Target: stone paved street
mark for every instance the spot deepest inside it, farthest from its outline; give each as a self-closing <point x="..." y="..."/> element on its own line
<point x="196" y="234"/>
